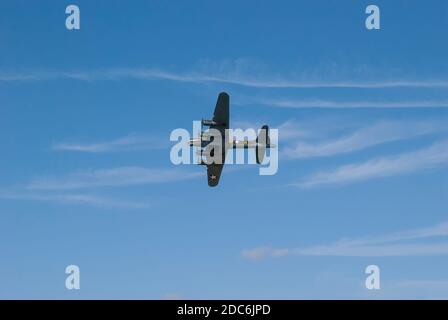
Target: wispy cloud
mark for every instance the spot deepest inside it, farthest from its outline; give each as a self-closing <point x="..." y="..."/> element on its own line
<point x="127" y="143"/>
<point x="434" y="156"/>
<point x="336" y="104"/>
<point x="235" y="77"/>
<point x="264" y="252"/>
<point x="379" y="246"/>
<point x="121" y="176"/>
<point x="389" y="250"/>
<point x="438" y="230"/>
<point x="60" y="189"/>
<point x="288" y="129"/>
<point x="81" y="199"/>
<point x="378" y="133"/>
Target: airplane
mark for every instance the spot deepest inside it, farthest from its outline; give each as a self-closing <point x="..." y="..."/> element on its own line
<point x="220" y="122"/>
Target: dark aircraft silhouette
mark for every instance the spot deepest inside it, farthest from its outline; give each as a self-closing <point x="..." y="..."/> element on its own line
<point x="215" y="151"/>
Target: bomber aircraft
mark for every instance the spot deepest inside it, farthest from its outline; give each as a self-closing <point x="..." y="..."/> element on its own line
<point x="213" y="151"/>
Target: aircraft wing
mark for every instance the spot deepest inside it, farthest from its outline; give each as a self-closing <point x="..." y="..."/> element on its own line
<point x="221" y="118"/>
<point x="221" y="114"/>
<point x="213" y="173"/>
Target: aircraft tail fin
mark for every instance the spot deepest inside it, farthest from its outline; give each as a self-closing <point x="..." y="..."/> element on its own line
<point x="263" y="142"/>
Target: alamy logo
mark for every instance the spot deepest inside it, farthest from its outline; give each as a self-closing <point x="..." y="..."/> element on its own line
<point x="373" y="20"/>
<point x="74" y="277"/>
<point x="373" y="280"/>
<point x="73" y="21"/>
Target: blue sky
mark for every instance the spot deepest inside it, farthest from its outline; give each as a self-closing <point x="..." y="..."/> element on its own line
<point x="86" y="179"/>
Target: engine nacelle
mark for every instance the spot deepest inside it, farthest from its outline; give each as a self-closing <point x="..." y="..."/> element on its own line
<point x="204" y="153"/>
<point x="209" y="122"/>
<point x="205" y="136"/>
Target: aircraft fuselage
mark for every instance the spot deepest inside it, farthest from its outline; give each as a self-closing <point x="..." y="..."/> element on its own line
<point x="235" y="144"/>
